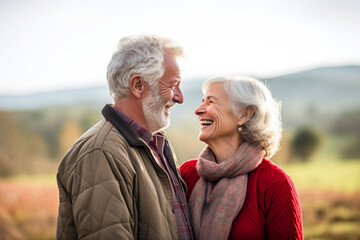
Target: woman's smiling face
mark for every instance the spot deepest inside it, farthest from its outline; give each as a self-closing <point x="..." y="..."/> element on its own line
<point x="217" y="121"/>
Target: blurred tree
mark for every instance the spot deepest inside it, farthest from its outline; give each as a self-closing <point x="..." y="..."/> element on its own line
<point x="68" y="134"/>
<point x="8" y="136"/>
<point x="46" y="123"/>
<point x="49" y="123"/>
<point x="283" y="155"/>
<point x="18" y="147"/>
<point x="304" y="143"/>
<point x="89" y="118"/>
<point x="352" y="150"/>
<point x="348" y="124"/>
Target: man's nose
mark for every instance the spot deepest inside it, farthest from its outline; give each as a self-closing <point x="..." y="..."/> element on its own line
<point x="178" y="96"/>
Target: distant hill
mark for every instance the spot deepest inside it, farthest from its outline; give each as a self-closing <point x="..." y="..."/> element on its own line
<point x="92" y="96"/>
<point x="315" y="93"/>
<point x="329" y="88"/>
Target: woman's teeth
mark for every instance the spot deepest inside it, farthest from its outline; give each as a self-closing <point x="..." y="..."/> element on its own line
<point x="206" y="122"/>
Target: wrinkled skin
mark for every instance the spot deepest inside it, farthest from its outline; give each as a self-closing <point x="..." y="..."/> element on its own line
<point x="169" y="83"/>
<point x="157" y="104"/>
<point x="222" y="127"/>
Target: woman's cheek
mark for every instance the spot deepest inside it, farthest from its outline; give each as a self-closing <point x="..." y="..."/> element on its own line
<point x="217" y="118"/>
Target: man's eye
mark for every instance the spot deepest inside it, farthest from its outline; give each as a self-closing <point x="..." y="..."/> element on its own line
<point x="172" y="87"/>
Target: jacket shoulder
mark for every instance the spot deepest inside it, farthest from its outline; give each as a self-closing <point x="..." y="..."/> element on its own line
<point x="99" y="142"/>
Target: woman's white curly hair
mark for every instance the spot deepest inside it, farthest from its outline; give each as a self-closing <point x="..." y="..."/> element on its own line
<point x="265" y="126"/>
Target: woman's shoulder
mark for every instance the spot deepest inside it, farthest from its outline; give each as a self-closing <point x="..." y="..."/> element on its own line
<point x="275" y="186"/>
<point x="275" y="192"/>
<point x="270" y="173"/>
<point x="188" y="166"/>
<point x="190" y="175"/>
<point x="270" y="168"/>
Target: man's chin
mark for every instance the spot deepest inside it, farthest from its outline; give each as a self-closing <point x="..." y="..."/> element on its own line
<point x="161" y="125"/>
<point x="165" y="123"/>
<point x="159" y="121"/>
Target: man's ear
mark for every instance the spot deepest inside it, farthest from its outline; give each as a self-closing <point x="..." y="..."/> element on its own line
<point x="136" y="85"/>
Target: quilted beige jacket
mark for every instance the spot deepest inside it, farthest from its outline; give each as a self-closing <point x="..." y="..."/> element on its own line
<point x="111" y="187"/>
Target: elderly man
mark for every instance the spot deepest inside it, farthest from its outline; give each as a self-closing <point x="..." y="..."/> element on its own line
<point x="120" y="180"/>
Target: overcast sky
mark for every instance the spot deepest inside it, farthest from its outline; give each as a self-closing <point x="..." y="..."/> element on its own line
<point x="47" y="45"/>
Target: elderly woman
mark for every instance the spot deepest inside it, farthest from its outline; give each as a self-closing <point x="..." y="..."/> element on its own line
<point x="234" y="191"/>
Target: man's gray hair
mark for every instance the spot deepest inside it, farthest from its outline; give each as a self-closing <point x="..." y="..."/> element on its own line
<point x="265" y="126"/>
<point x="143" y="55"/>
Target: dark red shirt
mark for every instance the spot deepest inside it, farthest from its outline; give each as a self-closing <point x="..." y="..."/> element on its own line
<point x="272" y="206"/>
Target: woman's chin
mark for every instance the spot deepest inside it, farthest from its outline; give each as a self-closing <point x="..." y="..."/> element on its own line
<point x="203" y="138"/>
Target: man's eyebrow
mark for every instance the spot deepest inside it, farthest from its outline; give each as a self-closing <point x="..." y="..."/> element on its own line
<point x="176" y="80"/>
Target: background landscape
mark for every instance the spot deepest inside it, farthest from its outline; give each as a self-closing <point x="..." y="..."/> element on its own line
<point x="321" y="116"/>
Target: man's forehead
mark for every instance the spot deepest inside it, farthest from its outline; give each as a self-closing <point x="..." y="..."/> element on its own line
<point x="170" y="61"/>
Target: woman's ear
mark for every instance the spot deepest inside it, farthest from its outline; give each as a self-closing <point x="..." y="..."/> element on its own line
<point x="136" y="85"/>
<point x="246" y="115"/>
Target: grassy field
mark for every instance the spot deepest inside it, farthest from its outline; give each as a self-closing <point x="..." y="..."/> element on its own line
<point x="28" y="208"/>
<point x="329" y="193"/>
<point x="341" y="176"/>
<point x="330" y="198"/>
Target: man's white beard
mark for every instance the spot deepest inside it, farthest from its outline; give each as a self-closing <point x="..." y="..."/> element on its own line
<point x="154" y="112"/>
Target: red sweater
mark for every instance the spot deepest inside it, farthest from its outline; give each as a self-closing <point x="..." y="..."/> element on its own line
<point x="272" y="206"/>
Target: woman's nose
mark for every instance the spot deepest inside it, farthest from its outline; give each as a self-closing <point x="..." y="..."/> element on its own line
<point x="200" y="110"/>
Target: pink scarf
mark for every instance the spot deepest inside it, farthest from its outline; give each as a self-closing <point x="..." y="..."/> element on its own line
<point x="220" y="193"/>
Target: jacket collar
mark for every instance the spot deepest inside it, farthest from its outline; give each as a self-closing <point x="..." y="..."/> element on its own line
<point x="131" y="137"/>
